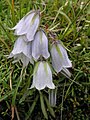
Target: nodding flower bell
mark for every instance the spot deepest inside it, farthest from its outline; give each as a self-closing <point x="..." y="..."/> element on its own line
<point x="42" y="76"/>
<point x="28" y="25"/>
<point x="22" y="51"/>
<point x="40" y="45"/>
<point x="60" y="58"/>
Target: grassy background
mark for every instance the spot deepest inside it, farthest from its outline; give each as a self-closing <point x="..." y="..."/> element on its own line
<point x="70" y="20"/>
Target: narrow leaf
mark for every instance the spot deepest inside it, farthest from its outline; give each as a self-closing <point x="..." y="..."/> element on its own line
<point x="49" y="107"/>
<point x="6" y="95"/>
<point x="16" y="90"/>
<point x="32" y="108"/>
<point x="43" y="106"/>
<point x="26" y="94"/>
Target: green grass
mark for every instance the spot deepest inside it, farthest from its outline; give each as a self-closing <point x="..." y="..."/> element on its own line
<point x="71" y="22"/>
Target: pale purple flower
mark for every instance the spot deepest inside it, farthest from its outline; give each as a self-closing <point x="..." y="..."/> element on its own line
<point x="28" y="25"/>
<point x="22" y="51"/>
<point x="42" y="76"/>
<point x="60" y="58"/>
<point x="40" y="45"/>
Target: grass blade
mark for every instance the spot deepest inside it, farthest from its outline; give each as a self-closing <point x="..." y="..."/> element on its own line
<point x="32" y="108"/>
<point x="43" y="106"/>
<point x="49" y="107"/>
<point x="16" y="90"/>
<point x="6" y="95"/>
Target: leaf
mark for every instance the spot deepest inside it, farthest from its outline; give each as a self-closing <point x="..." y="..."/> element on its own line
<point x="26" y="94"/>
<point x="32" y="108"/>
<point x="15" y="93"/>
<point x="9" y="3"/>
<point x="62" y="13"/>
<point x="6" y="95"/>
<point x="16" y="90"/>
<point x="43" y="106"/>
<point x="49" y="107"/>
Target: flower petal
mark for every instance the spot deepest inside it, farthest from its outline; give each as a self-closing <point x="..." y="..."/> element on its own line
<point x="40" y="45"/>
<point x="42" y="78"/>
<point x="32" y="28"/>
<point x="36" y="52"/>
<point x="59" y="57"/>
<point x="28" y="25"/>
<point x="21" y="46"/>
<point x="44" y="46"/>
<point x="25" y="60"/>
<point x="66" y="61"/>
<point x="49" y="82"/>
<point x="56" y="59"/>
<point x="21" y="27"/>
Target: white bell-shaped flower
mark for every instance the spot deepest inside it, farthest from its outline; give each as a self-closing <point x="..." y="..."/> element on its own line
<point x="22" y="50"/>
<point x="42" y="76"/>
<point x="60" y="58"/>
<point x="40" y="45"/>
<point x="28" y="25"/>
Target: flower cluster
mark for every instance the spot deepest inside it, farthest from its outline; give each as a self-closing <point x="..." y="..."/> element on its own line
<point x="32" y="46"/>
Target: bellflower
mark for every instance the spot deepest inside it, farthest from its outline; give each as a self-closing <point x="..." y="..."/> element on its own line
<point x="42" y="76"/>
<point x="40" y="45"/>
<point x="28" y="25"/>
<point x="22" y="51"/>
<point x="60" y="58"/>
